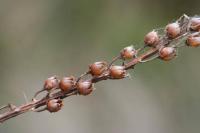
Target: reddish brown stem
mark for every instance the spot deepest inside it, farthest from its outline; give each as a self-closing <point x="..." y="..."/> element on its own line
<point x="36" y="104"/>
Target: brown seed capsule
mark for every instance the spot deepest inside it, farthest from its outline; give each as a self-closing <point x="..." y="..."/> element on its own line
<point x="67" y="83"/>
<point x="118" y="72"/>
<point x="97" y="68"/>
<point x="167" y="53"/>
<point x="51" y="83"/>
<point x="54" y="105"/>
<point x="84" y="87"/>
<point x="173" y="30"/>
<point x="193" y="40"/>
<point x="128" y="52"/>
<point x="195" y="24"/>
<point x="151" y="39"/>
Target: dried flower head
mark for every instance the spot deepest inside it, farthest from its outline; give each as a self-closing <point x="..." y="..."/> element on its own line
<point x="97" y="68"/>
<point x="193" y="40"/>
<point x="118" y="72"/>
<point x="67" y="83"/>
<point x="51" y="83"/>
<point x="173" y="30"/>
<point x="54" y="105"/>
<point x="128" y="52"/>
<point x="151" y="39"/>
<point x="167" y="53"/>
<point x="195" y="24"/>
<point x="84" y="87"/>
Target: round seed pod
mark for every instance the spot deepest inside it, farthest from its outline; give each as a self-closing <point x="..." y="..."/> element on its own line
<point x="67" y="83"/>
<point x="173" y="30"/>
<point x="167" y="53"/>
<point x="151" y="39"/>
<point x="54" y="105"/>
<point x="128" y="52"/>
<point x="117" y="72"/>
<point x="97" y="68"/>
<point x="195" y="24"/>
<point x="84" y="87"/>
<point x="51" y="83"/>
<point x="193" y="41"/>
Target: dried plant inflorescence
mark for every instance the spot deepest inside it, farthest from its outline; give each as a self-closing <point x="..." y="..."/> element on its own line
<point x="183" y="32"/>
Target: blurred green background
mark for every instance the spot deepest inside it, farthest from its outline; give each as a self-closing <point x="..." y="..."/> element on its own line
<point x="41" y="38"/>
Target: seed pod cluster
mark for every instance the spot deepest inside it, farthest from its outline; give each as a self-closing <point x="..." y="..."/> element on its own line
<point x="128" y="52"/>
<point x="159" y="46"/>
<point x="54" y="105"/>
<point x="167" y="53"/>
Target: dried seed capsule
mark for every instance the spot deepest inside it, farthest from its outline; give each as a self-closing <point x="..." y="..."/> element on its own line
<point x="51" y="83"/>
<point x="195" y="24"/>
<point x="173" y="30"/>
<point x="167" y="53"/>
<point x="128" y="52"/>
<point x="97" y="68"/>
<point x="118" y="72"/>
<point x="84" y="87"/>
<point x="67" y="83"/>
<point x="151" y="39"/>
<point x="54" y="105"/>
<point x="193" y="40"/>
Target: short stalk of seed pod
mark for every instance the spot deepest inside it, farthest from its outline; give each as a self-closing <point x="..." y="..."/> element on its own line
<point x="173" y="30"/>
<point x="167" y="53"/>
<point x="82" y="75"/>
<point x="117" y="72"/>
<point x="50" y="84"/>
<point x="128" y="53"/>
<point x="54" y="105"/>
<point x="195" y="24"/>
<point x="84" y="87"/>
<point x="114" y="60"/>
<point x="151" y="39"/>
<point x="149" y="59"/>
<point x="9" y="106"/>
<point x="67" y="83"/>
<point x="98" y="68"/>
<point x="193" y="40"/>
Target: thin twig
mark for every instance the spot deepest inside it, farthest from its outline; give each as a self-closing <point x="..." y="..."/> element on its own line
<point x="35" y="105"/>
